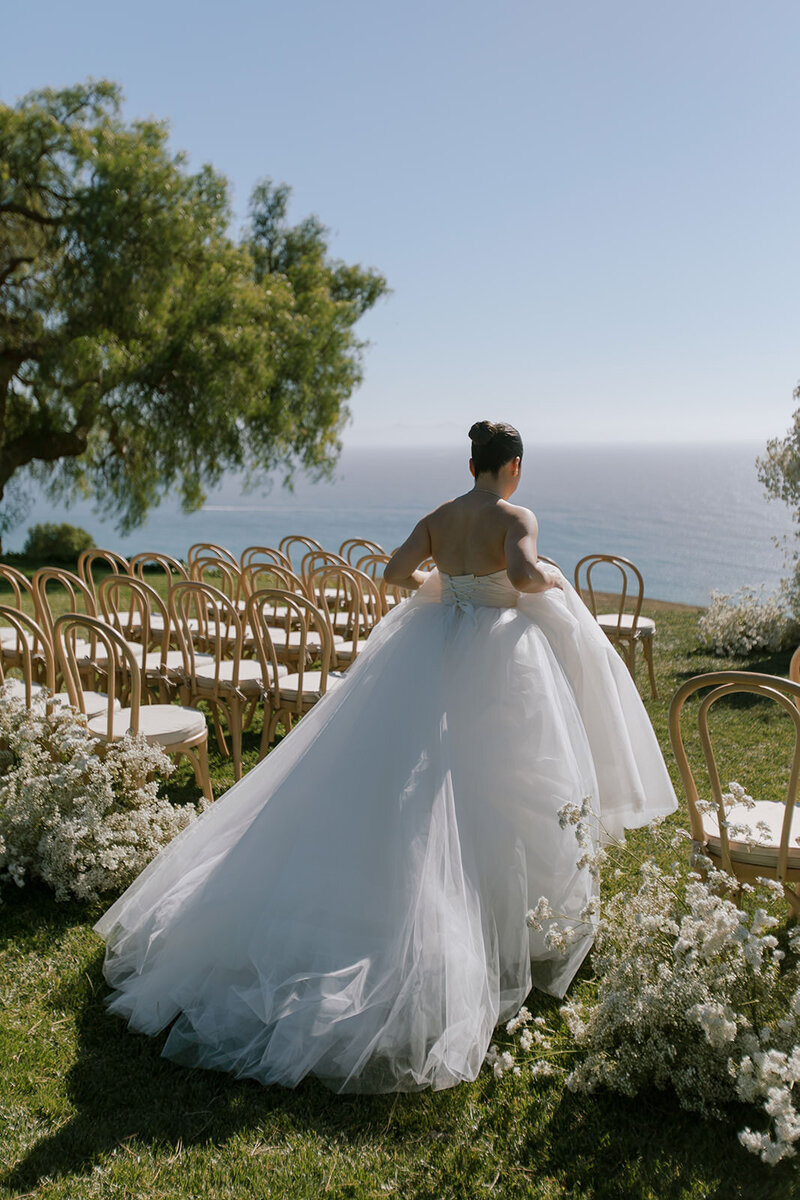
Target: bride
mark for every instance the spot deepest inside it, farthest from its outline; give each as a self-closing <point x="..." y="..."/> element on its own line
<point x="355" y="906"/>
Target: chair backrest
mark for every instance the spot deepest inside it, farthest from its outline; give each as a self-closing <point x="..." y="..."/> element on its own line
<point x="221" y="574"/>
<point x="794" y="666"/>
<point x="353" y="549"/>
<point x="315" y="644"/>
<point x="372" y="565"/>
<point x="259" y="575"/>
<point x="169" y="566"/>
<point x="204" y="618"/>
<point x="109" y="558"/>
<point x="123" y="675"/>
<point x="263" y="554"/>
<point x="297" y="543"/>
<point x="33" y="649"/>
<point x="74" y="591"/>
<point x="315" y="559"/>
<point x="129" y="604"/>
<point x="630" y="580"/>
<point x="210" y="550"/>
<point x="551" y="562"/>
<point x="785" y="693"/>
<point x="353" y="599"/>
<point x="21" y="587"/>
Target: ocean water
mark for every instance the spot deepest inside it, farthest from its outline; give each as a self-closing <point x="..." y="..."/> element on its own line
<point x="693" y="518"/>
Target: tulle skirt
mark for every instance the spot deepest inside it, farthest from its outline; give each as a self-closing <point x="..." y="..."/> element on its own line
<point x="355" y="906"/>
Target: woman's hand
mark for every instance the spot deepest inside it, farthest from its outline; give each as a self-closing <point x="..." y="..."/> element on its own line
<point x="552" y="577"/>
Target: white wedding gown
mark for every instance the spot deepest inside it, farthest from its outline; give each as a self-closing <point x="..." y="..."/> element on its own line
<point x="355" y="906"/>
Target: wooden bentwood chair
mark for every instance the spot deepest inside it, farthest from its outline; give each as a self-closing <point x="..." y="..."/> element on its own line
<point x="774" y="853"/>
<point x="36" y="660"/>
<point x="624" y="629"/>
<point x="178" y="730"/>
<point x="291" y="695"/>
<point x="229" y="682"/>
<point x="32" y="656"/>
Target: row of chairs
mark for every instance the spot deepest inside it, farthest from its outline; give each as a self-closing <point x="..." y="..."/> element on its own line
<point x="356" y="591"/>
<point x="234" y="644"/>
<point x="280" y="648"/>
<point x="356" y="585"/>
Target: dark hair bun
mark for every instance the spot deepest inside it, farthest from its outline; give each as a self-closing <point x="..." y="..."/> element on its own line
<point x="482" y="432"/>
<point x="493" y="444"/>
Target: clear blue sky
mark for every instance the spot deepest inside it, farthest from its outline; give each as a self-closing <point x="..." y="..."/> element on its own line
<point x="588" y="211"/>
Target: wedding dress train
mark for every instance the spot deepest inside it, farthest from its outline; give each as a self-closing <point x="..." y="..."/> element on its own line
<point x="355" y="906"/>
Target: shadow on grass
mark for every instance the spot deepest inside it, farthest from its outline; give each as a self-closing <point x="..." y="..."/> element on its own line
<point x="122" y="1091"/>
<point x="648" y="1147"/>
<point x="599" y="1148"/>
<point x="768" y="664"/>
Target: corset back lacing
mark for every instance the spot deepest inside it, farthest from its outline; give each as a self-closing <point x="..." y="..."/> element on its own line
<point x="463" y="592"/>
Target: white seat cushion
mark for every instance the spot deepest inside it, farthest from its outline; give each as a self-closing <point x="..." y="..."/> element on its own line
<point x="9" y="636"/>
<point x="95" y="703"/>
<point x="126" y="618"/>
<point x="769" y="812"/>
<point x="161" y="724"/>
<point x="611" y="622"/>
<point x="15" y="688"/>
<point x="311" y="685"/>
<point x="210" y="629"/>
<point x="99" y="656"/>
<point x="250" y="676"/>
<point x="313" y="641"/>
<point x="174" y="660"/>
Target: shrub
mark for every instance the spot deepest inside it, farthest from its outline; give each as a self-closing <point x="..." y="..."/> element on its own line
<point x="745" y="621"/>
<point x="52" y="543"/>
<point x="83" y="823"/>
<point x="690" y="992"/>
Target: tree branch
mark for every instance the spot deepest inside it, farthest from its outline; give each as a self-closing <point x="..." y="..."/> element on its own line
<point x="13" y="264"/>
<point x="20" y="211"/>
<point x="32" y="445"/>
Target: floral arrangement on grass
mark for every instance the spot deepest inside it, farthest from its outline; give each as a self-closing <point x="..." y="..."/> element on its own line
<point x="84" y="823"/>
<point x="692" y="990"/>
<point x="739" y="623"/>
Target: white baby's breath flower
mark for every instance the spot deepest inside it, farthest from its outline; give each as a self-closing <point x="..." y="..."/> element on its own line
<point x="535" y="917"/>
<point x="745" y="621"/>
<point x="569" y="814"/>
<point x="81" y="822"/>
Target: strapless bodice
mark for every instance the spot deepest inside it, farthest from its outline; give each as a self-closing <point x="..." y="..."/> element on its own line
<point x="493" y="591"/>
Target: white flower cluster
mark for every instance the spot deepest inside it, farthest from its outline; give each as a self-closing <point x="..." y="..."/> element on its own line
<point x="739" y="623"/>
<point x="741" y="831"/>
<point x="691" y="991"/>
<point x="532" y="1036"/>
<point x="83" y="822"/>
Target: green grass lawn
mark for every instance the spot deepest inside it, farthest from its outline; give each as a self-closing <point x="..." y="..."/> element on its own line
<point x="88" y="1109"/>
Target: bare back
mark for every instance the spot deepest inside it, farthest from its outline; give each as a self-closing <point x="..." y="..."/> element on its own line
<point x="478" y="533"/>
<point x="468" y="534"/>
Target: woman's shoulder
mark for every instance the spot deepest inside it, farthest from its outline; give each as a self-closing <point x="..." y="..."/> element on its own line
<point x="518" y="514"/>
<point x="446" y="507"/>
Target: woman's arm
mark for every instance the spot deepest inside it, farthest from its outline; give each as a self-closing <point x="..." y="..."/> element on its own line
<point x="401" y="569"/>
<point x="522" y="567"/>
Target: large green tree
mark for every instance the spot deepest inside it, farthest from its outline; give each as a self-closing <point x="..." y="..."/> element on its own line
<point x="141" y="349"/>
